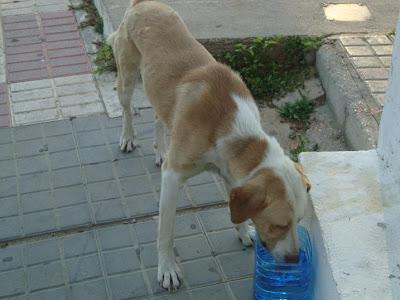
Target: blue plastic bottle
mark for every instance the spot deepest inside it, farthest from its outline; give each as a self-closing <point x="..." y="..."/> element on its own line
<point x="284" y="281"/>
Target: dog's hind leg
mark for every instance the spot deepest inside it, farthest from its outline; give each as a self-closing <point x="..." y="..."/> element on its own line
<point x="159" y="144"/>
<point x="128" y="59"/>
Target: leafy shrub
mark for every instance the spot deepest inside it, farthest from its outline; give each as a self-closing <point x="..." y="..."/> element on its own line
<point x="273" y="66"/>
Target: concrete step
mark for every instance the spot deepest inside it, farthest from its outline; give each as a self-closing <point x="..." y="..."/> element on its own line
<point x="348" y="225"/>
<point x="208" y="19"/>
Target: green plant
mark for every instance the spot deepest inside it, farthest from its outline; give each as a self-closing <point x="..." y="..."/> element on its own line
<point x="392" y="34"/>
<point x="104" y="60"/>
<point x="299" y="111"/>
<point x="92" y="16"/>
<point x="301" y="147"/>
<point x="273" y="66"/>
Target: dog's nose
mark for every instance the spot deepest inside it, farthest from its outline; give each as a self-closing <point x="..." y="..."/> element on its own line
<point x="293" y="259"/>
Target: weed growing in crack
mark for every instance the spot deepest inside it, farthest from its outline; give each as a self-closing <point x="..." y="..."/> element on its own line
<point x="273" y="66"/>
<point x="92" y="16"/>
<point x="299" y="111"/>
<point x="301" y="147"/>
<point x="104" y="60"/>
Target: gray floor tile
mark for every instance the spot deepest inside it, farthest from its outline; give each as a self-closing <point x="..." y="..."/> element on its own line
<point x="238" y="264"/>
<point x="242" y="289"/>
<point x="128" y="286"/>
<point x="91" y="290"/>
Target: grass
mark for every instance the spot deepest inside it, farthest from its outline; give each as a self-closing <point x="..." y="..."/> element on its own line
<point x="301" y="147"/>
<point x="392" y="34"/>
<point x="92" y="16"/>
<point x="104" y="60"/>
<point x="299" y="111"/>
<point x="273" y="66"/>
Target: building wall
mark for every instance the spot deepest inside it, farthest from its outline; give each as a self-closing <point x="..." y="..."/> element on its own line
<point x="389" y="154"/>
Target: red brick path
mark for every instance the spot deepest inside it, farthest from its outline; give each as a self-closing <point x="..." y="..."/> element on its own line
<point x="43" y="46"/>
<point x="5" y="120"/>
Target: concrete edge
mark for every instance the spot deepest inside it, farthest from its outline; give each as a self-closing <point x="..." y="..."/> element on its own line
<point x="108" y="27"/>
<point x="328" y="284"/>
<point x="347" y="97"/>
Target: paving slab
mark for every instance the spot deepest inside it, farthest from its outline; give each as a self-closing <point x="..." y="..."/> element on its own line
<point x="54" y="99"/>
<point x="355" y="77"/>
<point x="120" y="261"/>
<point x="44" y="45"/>
<point x="238" y="19"/>
<point x="5" y="116"/>
<point x="106" y="83"/>
<point x="23" y="7"/>
<point x="371" y="56"/>
<point x="71" y="173"/>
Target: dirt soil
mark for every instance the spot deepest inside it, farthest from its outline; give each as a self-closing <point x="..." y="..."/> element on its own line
<point x="322" y="134"/>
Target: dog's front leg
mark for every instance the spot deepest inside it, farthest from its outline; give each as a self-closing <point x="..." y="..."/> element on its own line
<point x="246" y="233"/>
<point x="169" y="272"/>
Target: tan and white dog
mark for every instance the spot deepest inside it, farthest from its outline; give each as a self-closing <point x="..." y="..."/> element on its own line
<point x="214" y="124"/>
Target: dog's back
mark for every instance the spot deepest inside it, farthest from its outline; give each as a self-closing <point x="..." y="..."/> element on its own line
<point x="155" y="36"/>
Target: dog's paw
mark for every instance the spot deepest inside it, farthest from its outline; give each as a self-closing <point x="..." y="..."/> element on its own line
<point x="169" y="274"/>
<point x="126" y="143"/>
<point x="159" y="160"/>
<point x="247" y="237"/>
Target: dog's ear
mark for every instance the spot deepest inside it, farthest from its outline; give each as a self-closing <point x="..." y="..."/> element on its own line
<point x="299" y="167"/>
<point x="244" y="203"/>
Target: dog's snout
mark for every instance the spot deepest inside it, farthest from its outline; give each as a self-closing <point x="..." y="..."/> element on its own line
<point x="292" y="259"/>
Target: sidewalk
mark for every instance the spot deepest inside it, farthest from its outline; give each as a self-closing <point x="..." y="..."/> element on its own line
<point x="78" y="218"/>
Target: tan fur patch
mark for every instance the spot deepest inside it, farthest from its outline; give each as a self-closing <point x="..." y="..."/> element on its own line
<point x="244" y="155"/>
<point x="263" y="190"/>
<point x="199" y="121"/>
<point x="263" y="199"/>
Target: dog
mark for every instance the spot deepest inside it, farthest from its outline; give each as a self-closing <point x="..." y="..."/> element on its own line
<point x="214" y="124"/>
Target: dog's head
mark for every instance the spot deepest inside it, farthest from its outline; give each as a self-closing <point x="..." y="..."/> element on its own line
<point x="275" y="199"/>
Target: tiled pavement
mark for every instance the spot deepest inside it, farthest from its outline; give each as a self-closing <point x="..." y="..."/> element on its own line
<point x="371" y="56"/>
<point x="4" y="106"/>
<point x="77" y="216"/>
<point x="43" y="60"/>
<point x="52" y="99"/>
<point x="119" y="262"/>
<point x="22" y="7"/>
<point x="45" y="45"/>
<point x="70" y="177"/>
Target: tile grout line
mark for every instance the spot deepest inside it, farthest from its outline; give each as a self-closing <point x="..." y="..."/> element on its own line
<point x="67" y="285"/>
<point x="137" y="247"/>
<point x="102" y="264"/>
<point x="88" y="227"/>
<point x="51" y="183"/>
<point x="20" y="213"/>
<point x="114" y="169"/>
<point x="83" y="175"/>
<point x="214" y="258"/>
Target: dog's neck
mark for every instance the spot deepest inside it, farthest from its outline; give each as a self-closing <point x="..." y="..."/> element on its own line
<point x="247" y="148"/>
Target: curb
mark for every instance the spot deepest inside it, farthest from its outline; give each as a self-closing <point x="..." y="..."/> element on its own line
<point x="347" y="97"/>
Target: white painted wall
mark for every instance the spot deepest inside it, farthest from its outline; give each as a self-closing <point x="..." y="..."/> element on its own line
<point x="389" y="166"/>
